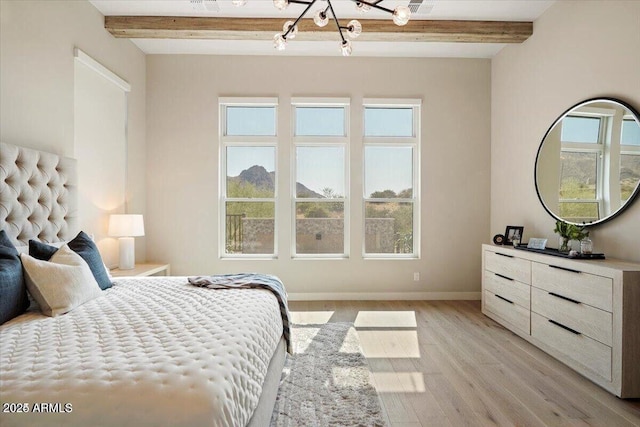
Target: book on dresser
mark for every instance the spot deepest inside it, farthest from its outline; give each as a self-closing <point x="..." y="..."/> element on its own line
<point x="585" y="313"/>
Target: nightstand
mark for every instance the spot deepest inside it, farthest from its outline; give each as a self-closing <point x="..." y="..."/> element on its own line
<point x="143" y="270"/>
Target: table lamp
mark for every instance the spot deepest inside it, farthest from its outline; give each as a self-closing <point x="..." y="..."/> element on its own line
<point x="126" y="227"/>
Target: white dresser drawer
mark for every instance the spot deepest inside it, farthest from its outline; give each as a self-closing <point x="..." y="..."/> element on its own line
<point x="517" y="316"/>
<point x="590" y="321"/>
<point x="596" y="334"/>
<point x="587" y="288"/>
<point x="510" y="289"/>
<point x="588" y="352"/>
<point x="509" y="266"/>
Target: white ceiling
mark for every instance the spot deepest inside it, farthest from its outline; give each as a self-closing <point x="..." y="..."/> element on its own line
<point x="493" y="10"/>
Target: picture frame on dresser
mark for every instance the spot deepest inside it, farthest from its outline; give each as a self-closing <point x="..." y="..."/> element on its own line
<point x="513" y="232"/>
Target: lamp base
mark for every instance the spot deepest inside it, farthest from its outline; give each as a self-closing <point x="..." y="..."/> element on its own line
<point x="127" y="253"/>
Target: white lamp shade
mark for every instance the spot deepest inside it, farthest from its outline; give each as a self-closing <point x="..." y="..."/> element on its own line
<point x="126" y="225"/>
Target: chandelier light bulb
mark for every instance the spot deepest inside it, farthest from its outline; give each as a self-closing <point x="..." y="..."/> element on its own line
<point x="239" y="3"/>
<point x="401" y="15"/>
<point x="293" y="31"/>
<point x="346" y="48"/>
<point x="354" y="28"/>
<point x="362" y="8"/>
<point x="320" y="18"/>
<point x="280" y="4"/>
<point x="279" y="42"/>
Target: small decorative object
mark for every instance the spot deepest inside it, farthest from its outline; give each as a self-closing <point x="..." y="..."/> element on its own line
<point x="513" y="233"/>
<point x="537" y="243"/>
<point x="586" y="246"/>
<point x="567" y="233"/>
<point x="573" y="254"/>
<point x="498" y="239"/>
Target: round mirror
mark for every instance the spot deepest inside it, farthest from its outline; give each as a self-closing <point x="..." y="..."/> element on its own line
<point x="588" y="164"/>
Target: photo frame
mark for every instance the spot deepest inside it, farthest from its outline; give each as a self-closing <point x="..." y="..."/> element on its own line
<point x="511" y="233"/>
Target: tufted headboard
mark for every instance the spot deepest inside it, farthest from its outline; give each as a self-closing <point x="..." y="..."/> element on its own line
<point x="38" y="195"/>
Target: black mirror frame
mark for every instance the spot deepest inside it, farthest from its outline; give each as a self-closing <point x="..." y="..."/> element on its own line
<point x="633" y="196"/>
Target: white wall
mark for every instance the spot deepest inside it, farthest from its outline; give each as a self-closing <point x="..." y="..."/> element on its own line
<point x="579" y="50"/>
<point x="99" y="138"/>
<point x="182" y="172"/>
<point x="37" y="85"/>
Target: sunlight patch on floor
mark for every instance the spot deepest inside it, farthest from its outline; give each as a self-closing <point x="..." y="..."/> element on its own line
<point x="310" y="317"/>
<point x="386" y="319"/>
<point x="350" y="376"/>
<point x="303" y="338"/>
<point x="389" y="343"/>
<point x="399" y="382"/>
<point x="350" y="342"/>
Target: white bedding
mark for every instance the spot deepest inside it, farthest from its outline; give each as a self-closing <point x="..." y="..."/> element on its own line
<point x="151" y="351"/>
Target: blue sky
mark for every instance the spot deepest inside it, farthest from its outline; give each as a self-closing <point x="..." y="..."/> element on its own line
<point x="318" y="167"/>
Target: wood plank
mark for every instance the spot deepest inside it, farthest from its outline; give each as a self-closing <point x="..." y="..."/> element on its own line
<point x="188" y="27"/>
<point x="471" y="371"/>
<point x="553" y="380"/>
<point x="492" y="403"/>
<point x="537" y="378"/>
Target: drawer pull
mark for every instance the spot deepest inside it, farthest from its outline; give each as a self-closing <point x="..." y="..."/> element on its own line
<point x="573" y="331"/>
<point x="504" y="277"/>
<point x="564" y="298"/>
<point x="508" y="256"/>
<point x="565" y="269"/>
<point x="504" y="299"/>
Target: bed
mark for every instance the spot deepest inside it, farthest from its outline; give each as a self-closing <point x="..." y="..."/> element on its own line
<point x="151" y="351"/>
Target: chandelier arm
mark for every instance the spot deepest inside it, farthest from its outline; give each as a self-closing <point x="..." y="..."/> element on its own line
<point x="301" y="1"/>
<point x="374" y="5"/>
<point x="304" y="12"/>
<point x="335" y="18"/>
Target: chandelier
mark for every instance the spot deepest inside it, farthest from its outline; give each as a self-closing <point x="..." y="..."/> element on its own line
<point x="353" y="29"/>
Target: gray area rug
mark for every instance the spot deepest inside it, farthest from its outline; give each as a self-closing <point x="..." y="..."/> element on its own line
<point x="326" y="382"/>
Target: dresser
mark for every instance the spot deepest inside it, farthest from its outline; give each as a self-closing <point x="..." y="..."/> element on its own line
<point x="585" y="313"/>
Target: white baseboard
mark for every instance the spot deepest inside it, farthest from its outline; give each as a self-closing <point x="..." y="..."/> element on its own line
<point x="396" y="296"/>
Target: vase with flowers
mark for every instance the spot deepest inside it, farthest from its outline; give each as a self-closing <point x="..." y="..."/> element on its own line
<point x="569" y="232"/>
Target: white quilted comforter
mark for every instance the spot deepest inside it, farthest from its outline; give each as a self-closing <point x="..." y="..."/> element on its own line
<point x="152" y="351"/>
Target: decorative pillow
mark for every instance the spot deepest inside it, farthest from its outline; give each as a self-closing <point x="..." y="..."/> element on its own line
<point x="13" y="292"/>
<point x="83" y="245"/>
<point x="61" y="284"/>
<point x="41" y="251"/>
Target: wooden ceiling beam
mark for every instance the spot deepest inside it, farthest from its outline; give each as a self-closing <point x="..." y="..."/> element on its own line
<point x="181" y="27"/>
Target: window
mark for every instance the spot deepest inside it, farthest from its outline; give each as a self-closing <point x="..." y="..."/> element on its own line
<point x="629" y="157"/>
<point x="630" y="132"/>
<point x="391" y="177"/>
<point x="581" y="129"/>
<point x="581" y="166"/>
<point x="248" y="181"/>
<point x="320" y="191"/>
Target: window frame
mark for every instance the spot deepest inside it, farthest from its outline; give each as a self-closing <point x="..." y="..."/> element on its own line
<point x="244" y="141"/>
<point x="385" y="141"/>
<point x="628" y="149"/>
<point x="320" y="141"/>
<point x="602" y="150"/>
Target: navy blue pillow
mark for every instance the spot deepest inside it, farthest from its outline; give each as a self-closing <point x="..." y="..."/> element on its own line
<point x="41" y="251"/>
<point x="83" y="246"/>
<point x="13" y="291"/>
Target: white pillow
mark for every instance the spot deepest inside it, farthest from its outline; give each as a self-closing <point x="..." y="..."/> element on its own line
<point x="60" y="284"/>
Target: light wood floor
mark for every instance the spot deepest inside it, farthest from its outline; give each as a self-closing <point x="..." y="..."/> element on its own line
<point x="443" y="363"/>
